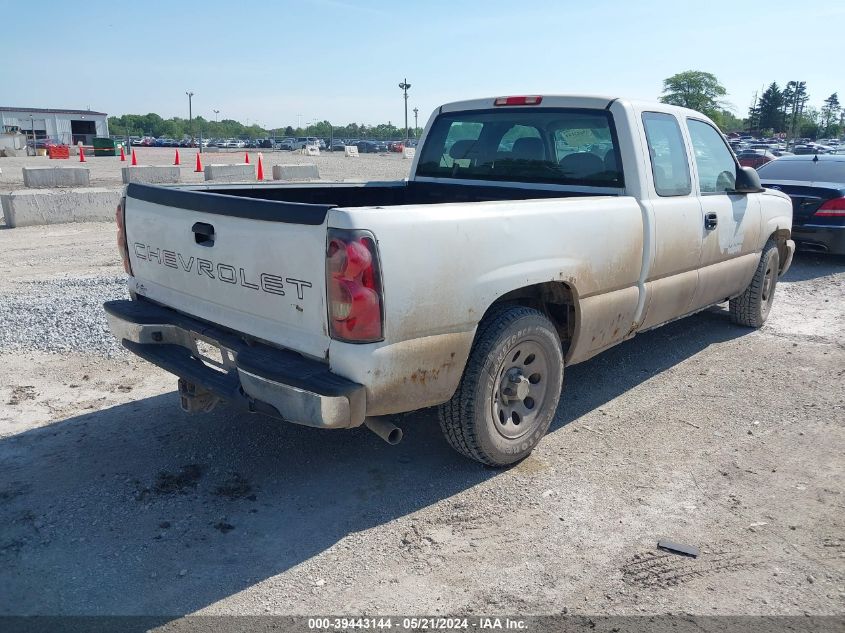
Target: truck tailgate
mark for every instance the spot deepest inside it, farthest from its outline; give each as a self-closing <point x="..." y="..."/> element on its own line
<point x="262" y="277"/>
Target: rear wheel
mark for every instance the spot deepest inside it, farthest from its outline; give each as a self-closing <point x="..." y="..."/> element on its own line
<point x="510" y="388"/>
<point x="752" y="307"/>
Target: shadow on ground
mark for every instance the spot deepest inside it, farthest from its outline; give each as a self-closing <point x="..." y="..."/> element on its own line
<point x="806" y="266"/>
<point x="139" y="509"/>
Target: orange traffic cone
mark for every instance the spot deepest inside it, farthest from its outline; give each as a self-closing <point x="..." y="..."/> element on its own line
<point x="260" y="168"/>
<point x="122" y="155"/>
<point x="81" y="154"/>
<point x="246" y="157"/>
<point x="134" y="159"/>
<point x="176" y="162"/>
<point x="199" y="164"/>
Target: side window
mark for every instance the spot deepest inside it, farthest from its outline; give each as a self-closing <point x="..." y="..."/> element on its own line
<point x="668" y="155"/>
<point x="716" y="166"/>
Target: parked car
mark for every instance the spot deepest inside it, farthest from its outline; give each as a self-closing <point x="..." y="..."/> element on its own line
<point x="371" y="147"/>
<point x="396" y="146"/>
<point x="330" y="307"/>
<point x="337" y="145"/>
<point x="816" y="185"/>
<point x="754" y="158"/>
<point x="302" y="141"/>
<point x="810" y="148"/>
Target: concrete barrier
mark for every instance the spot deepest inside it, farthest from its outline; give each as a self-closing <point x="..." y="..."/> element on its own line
<point x="409" y="152"/>
<point x="239" y="171"/>
<point x="29" y="207"/>
<point x="295" y="172"/>
<point x="49" y="177"/>
<point x="350" y="151"/>
<point x="151" y="174"/>
<point x="10" y="152"/>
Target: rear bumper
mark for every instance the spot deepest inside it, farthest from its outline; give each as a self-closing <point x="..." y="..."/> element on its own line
<point x="256" y="377"/>
<point x="819" y="238"/>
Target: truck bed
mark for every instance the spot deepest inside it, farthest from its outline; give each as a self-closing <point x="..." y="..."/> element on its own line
<point x="308" y="203"/>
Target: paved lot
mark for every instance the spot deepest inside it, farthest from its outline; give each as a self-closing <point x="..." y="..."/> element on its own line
<point x="113" y="501"/>
<point x="105" y="171"/>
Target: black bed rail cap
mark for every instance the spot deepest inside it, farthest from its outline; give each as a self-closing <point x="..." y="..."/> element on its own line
<point x="233" y="206"/>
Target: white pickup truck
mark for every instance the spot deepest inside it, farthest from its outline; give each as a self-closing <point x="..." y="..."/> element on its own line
<point x="533" y="233"/>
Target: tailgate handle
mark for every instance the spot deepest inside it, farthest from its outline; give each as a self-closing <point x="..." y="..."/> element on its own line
<point x="203" y="234"/>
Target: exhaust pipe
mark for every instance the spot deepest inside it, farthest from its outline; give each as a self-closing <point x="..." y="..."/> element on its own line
<point x="385" y="429"/>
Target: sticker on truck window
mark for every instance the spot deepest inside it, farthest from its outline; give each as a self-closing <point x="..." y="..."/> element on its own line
<point x="576" y="137"/>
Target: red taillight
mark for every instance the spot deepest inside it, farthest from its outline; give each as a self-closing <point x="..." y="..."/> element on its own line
<point x="353" y="286"/>
<point x="518" y="101"/>
<point x="120" y="220"/>
<point x="833" y="208"/>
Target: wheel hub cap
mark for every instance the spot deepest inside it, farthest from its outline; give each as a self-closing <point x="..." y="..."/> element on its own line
<point x="518" y="401"/>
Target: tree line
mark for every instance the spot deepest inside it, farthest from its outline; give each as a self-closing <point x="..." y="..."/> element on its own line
<point x="776" y="111"/>
<point x="179" y="128"/>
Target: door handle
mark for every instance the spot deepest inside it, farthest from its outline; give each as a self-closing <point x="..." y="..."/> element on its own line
<point x="711" y="220"/>
<point x="203" y="233"/>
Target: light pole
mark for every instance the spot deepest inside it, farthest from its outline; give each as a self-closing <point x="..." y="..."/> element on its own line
<point x="190" y="116"/>
<point x="405" y="85"/>
<point x="32" y="128"/>
<point x="216" y="112"/>
<point x="416" y="122"/>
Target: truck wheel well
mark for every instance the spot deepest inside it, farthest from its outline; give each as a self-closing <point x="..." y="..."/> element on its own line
<point x="780" y="236"/>
<point x="555" y="299"/>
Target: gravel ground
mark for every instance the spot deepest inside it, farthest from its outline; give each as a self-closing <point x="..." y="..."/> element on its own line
<point x="35" y="320"/>
<point x="112" y="501"/>
<point x="105" y="171"/>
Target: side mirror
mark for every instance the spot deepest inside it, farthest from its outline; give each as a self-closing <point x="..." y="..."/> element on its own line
<point x="747" y="181"/>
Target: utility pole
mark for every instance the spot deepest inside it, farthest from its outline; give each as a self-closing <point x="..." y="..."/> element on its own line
<point x="190" y="115"/>
<point x="404" y="86"/>
<point x="416" y="122"/>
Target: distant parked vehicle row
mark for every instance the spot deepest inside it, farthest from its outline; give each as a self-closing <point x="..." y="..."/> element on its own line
<point x="366" y="146"/>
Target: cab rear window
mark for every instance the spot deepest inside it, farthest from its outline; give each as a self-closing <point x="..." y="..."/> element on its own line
<point x="550" y="145"/>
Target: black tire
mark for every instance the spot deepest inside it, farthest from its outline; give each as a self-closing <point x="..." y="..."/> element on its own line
<point x="752" y="307"/>
<point x="510" y="389"/>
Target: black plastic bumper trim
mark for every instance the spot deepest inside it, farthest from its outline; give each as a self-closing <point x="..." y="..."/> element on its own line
<point x="279" y="365"/>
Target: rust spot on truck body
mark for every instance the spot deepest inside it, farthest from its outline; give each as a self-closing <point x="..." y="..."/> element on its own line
<point x="417" y="373"/>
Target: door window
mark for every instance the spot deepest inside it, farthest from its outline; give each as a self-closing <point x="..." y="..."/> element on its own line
<point x="669" y="164"/>
<point x="715" y="163"/>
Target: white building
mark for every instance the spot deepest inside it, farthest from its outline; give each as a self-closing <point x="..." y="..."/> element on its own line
<point x="63" y="126"/>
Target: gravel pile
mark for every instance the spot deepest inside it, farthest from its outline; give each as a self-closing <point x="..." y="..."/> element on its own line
<point x="62" y="315"/>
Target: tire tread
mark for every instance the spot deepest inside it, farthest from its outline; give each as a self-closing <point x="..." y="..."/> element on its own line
<point x="461" y="407"/>
<point x="745" y="309"/>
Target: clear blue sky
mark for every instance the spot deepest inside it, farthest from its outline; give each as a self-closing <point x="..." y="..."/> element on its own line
<point x="342" y="60"/>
